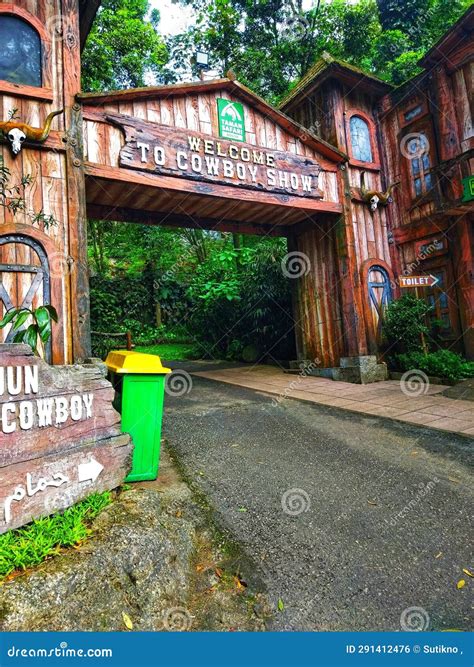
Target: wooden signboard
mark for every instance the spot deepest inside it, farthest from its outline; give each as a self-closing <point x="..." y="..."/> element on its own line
<point x="172" y="151"/>
<point x="60" y="437"/>
<point x="417" y="281"/>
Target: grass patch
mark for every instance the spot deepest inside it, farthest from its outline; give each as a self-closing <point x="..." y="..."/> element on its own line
<point x="171" y="351"/>
<point x="28" y="546"/>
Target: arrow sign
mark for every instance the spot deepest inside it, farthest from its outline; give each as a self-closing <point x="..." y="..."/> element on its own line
<point x="417" y="281"/>
<point x="90" y="470"/>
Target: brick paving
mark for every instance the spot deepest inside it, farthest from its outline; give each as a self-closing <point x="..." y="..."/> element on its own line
<point x="384" y="399"/>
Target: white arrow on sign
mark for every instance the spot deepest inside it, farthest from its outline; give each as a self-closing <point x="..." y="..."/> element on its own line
<point x="90" y="470"/>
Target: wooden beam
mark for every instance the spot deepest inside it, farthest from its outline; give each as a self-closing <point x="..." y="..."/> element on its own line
<point x="78" y="288"/>
<point x="122" y="214"/>
<point x="223" y="191"/>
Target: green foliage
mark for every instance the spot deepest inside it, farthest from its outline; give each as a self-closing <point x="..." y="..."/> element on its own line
<point x="405" y="323"/>
<point x="242" y="298"/>
<point x="442" y="363"/>
<point x="123" y="46"/>
<point x="121" y="304"/>
<point x="44" y="537"/>
<point x="404" y="67"/>
<point x="402" y="14"/>
<point x="38" y="332"/>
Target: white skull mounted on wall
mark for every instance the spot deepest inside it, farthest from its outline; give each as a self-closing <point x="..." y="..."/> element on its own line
<point x="16" y="137"/>
<point x="374" y="202"/>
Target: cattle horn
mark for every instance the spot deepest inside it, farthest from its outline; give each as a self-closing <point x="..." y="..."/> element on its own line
<point x="39" y="134"/>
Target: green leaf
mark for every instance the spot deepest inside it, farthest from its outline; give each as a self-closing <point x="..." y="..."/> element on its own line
<point x="21" y="319"/>
<point x="19" y="336"/>
<point x="45" y="332"/>
<point x="8" y="317"/>
<point x="42" y="316"/>
<point x="31" y="336"/>
<point x="53" y="313"/>
<point x="281" y="604"/>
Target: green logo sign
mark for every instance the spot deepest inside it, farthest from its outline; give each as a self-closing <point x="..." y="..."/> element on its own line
<point x="468" y="184"/>
<point x="231" y="120"/>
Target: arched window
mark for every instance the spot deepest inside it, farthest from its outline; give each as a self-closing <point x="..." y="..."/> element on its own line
<point x="20" y="52"/>
<point x="360" y="139"/>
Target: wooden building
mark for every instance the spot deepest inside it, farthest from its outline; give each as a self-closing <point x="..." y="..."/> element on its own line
<point x="213" y="155"/>
<point x="420" y="137"/>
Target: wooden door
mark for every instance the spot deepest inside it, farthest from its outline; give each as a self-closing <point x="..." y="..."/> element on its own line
<point x="380" y="295"/>
<point x="24" y="279"/>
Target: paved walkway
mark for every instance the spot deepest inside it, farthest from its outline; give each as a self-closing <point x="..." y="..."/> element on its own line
<point x="404" y="402"/>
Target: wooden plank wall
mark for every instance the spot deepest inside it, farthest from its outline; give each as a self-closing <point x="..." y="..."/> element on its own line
<point x="48" y="191"/>
<point x="324" y="113"/>
<point x="318" y="320"/>
<point x="361" y="239"/>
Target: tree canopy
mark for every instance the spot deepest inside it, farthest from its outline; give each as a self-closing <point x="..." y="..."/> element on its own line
<point x="269" y="44"/>
<point x="123" y="47"/>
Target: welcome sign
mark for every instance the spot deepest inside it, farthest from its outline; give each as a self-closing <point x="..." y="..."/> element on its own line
<point x="60" y="437"/>
<point x="161" y="149"/>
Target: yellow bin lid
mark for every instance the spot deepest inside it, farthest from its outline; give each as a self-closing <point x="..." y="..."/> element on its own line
<point x="127" y="361"/>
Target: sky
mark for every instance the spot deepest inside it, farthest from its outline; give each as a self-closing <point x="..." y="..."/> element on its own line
<point x="174" y="17"/>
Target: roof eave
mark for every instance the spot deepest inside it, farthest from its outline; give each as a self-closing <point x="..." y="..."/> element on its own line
<point x="463" y="27"/>
<point x="337" y="70"/>
<point x="87" y="12"/>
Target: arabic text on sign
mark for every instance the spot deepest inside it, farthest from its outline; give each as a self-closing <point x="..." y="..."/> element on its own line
<point x="30" y="489"/>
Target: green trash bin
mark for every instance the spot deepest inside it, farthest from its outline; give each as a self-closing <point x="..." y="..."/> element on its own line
<point x="139" y="382"/>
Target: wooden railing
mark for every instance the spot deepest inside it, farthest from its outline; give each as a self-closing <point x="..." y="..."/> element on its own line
<point x="108" y="342"/>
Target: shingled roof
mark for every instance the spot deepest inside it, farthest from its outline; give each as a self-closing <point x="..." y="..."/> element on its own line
<point x="325" y="67"/>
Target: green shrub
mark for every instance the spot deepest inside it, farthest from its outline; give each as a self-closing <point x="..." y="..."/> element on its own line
<point x="32" y="544"/>
<point x="242" y="298"/>
<point x="405" y="323"/>
<point x="442" y="363"/>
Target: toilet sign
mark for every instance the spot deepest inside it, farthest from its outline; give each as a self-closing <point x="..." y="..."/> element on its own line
<point x="60" y="437"/>
<point x="417" y="281"/>
<point x="231" y="120"/>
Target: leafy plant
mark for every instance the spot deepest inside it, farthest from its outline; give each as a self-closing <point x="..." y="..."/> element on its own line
<point x="44" y="537"/>
<point x="38" y="332"/>
<point x="442" y="363"/>
<point x="405" y="323"/>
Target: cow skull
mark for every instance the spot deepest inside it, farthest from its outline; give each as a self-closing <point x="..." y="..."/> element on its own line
<point x="17" y="133"/>
<point x="16" y="137"/>
<point x="374" y="202"/>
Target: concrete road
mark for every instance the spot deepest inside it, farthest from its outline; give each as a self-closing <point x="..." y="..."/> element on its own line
<point x="351" y="522"/>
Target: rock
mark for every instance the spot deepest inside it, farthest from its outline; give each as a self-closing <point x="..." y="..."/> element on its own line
<point x="137" y="563"/>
